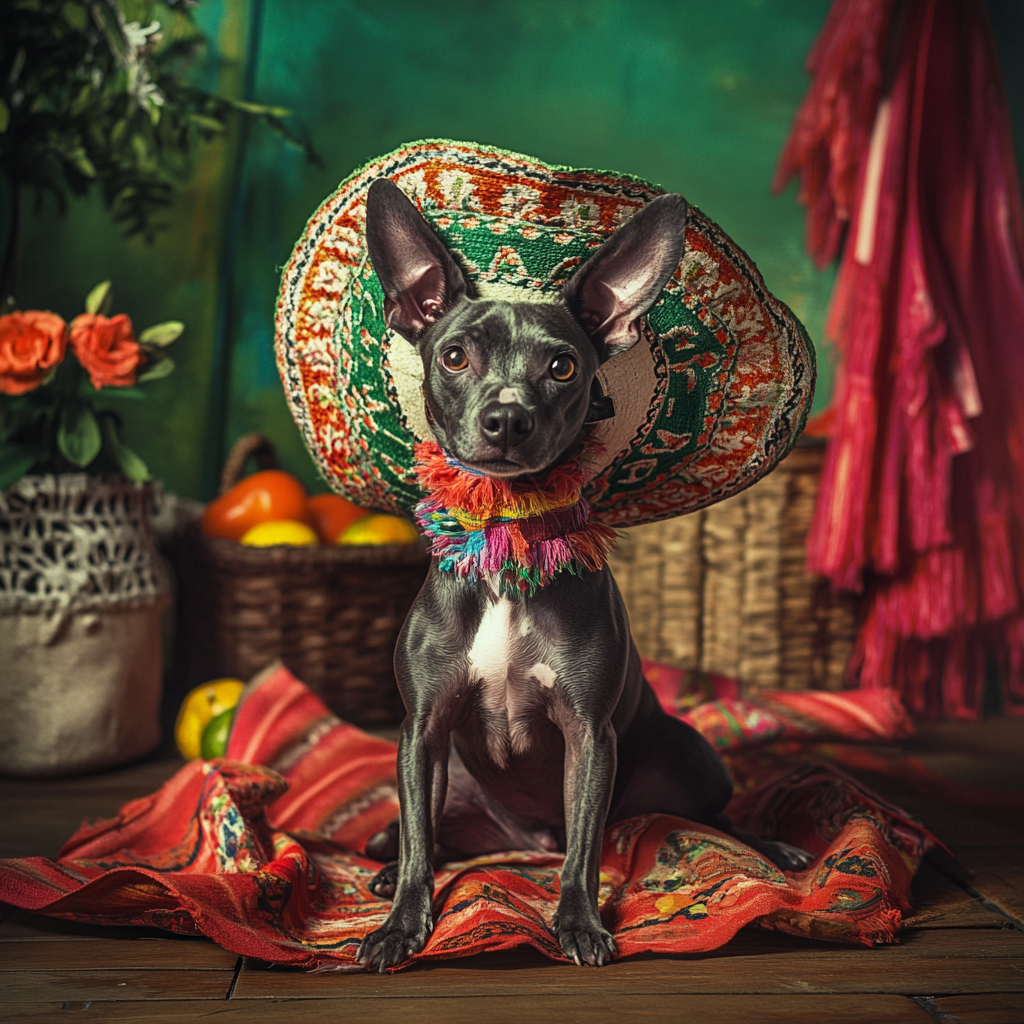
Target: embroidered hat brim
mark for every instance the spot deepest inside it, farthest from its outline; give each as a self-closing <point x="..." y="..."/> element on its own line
<point x="707" y="403"/>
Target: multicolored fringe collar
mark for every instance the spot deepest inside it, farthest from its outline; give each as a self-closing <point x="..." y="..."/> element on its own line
<point x="522" y="532"/>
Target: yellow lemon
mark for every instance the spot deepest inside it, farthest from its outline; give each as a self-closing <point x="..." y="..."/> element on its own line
<point x="380" y="529"/>
<point x="199" y="707"/>
<point x="280" y="531"/>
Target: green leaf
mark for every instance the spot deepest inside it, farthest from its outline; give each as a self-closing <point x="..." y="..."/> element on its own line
<point x="15" y="461"/>
<point x="157" y="370"/>
<point x="82" y="100"/>
<point x="75" y="15"/>
<point x="209" y="124"/>
<point x="5" y="116"/>
<point x="81" y="162"/>
<point x="110" y="392"/>
<point x="160" y="335"/>
<point x="129" y="463"/>
<point x="78" y="436"/>
<point x="260" y="109"/>
<point x="100" y="299"/>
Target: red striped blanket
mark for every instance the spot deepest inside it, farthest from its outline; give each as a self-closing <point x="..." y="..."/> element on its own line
<point x="261" y="851"/>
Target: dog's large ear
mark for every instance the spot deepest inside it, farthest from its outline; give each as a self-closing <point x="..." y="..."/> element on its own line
<point x="612" y="291"/>
<point x="421" y="280"/>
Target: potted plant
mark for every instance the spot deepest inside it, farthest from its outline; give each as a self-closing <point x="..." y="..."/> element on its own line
<point x="94" y="94"/>
<point x="81" y="587"/>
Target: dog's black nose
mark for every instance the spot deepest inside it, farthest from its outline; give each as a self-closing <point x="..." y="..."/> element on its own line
<point x="506" y="424"/>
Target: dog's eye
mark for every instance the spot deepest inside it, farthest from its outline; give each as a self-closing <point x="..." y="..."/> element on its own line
<point x="563" y="368"/>
<point x="454" y="359"/>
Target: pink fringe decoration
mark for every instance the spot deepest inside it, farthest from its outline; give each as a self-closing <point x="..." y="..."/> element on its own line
<point x="922" y="495"/>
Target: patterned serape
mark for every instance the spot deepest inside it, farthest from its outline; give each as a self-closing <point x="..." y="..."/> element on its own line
<point x="258" y="851"/>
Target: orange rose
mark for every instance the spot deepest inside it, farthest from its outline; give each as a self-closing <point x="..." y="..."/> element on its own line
<point x="107" y="348"/>
<point x="32" y="342"/>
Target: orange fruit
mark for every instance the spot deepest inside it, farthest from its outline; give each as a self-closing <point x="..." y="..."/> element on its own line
<point x="332" y="515"/>
<point x="380" y="529"/>
<point x="265" y="496"/>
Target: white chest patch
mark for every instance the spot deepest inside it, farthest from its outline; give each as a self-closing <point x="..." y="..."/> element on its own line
<point x="491" y="652"/>
<point x="498" y="660"/>
<point x="544" y="674"/>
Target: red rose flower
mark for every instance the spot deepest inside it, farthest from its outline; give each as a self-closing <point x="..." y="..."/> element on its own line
<point x="107" y="348"/>
<point x="32" y="342"/>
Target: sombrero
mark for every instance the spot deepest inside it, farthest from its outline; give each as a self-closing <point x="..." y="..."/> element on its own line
<point x="710" y="401"/>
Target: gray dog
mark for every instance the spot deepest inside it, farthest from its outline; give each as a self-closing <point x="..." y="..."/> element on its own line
<point x="529" y="717"/>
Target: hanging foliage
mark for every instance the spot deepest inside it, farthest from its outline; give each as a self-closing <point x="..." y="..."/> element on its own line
<point x="96" y="94"/>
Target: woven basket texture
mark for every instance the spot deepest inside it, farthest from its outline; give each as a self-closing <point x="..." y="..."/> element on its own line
<point x="331" y="614"/>
<point x="725" y="590"/>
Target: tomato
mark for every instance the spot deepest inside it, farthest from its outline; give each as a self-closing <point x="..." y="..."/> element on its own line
<point x="266" y="495"/>
<point x="332" y="515"/>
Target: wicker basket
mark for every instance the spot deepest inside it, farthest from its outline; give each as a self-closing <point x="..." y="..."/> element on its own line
<point x="331" y="614"/>
<point x="725" y="590"/>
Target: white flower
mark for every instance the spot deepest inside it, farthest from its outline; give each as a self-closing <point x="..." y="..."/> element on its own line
<point x="136" y="36"/>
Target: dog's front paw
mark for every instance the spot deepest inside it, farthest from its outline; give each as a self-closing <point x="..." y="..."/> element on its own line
<point x="384" y="883"/>
<point x="785" y="856"/>
<point x="403" y="934"/>
<point x="584" y="941"/>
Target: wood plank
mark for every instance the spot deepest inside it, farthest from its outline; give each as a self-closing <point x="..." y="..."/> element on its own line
<point x="521" y="1009"/>
<point x="668" y="978"/>
<point x="998" y="874"/>
<point x="130" y="954"/>
<point x="999" y="740"/>
<point x="114" y="984"/>
<point x="986" y="960"/>
<point x="992" y="1008"/>
<point x="22" y="926"/>
<point x="118" y="783"/>
<point x="938" y="902"/>
<point x="954" y="825"/>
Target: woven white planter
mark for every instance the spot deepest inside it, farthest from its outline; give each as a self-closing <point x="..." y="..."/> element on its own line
<point x="81" y="598"/>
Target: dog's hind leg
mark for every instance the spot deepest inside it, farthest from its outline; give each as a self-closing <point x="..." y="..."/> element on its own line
<point x="667" y="767"/>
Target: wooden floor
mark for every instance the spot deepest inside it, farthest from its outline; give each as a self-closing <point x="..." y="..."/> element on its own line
<point x="961" y="957"/>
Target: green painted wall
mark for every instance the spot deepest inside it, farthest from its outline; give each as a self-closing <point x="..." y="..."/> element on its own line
<point x="698" y="97"/>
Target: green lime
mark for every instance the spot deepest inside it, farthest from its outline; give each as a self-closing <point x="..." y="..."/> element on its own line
<point x="215" y="736"/>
